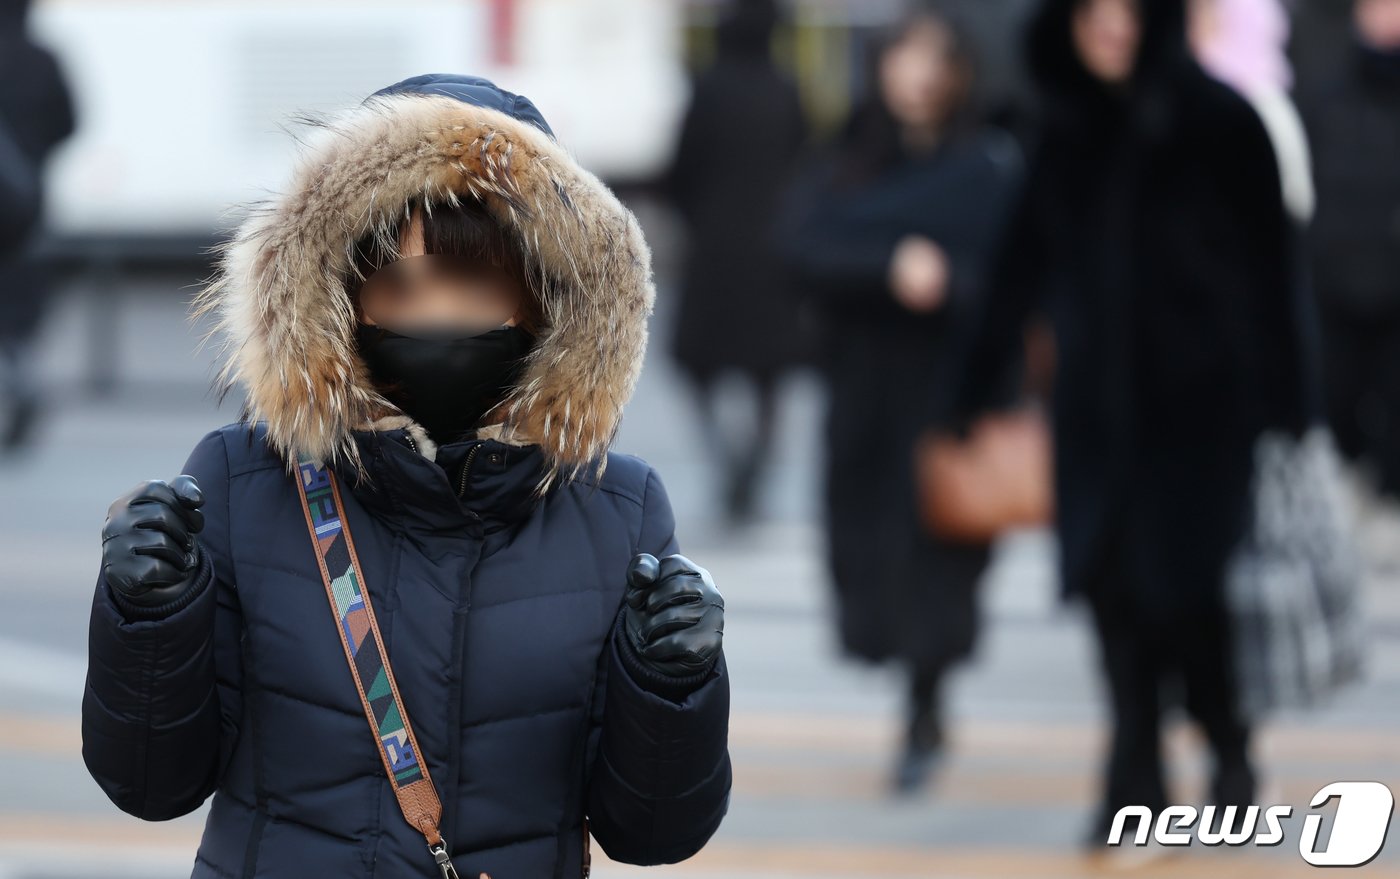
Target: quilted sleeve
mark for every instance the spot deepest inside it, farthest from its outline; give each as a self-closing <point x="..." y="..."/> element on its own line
<point x="161" y="704"/>
<point x="659" y="786"/>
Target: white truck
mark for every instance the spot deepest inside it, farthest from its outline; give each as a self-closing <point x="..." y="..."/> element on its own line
<point x="182" y="105"/>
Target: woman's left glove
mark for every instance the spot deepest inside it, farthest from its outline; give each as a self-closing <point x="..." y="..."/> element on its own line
<point x="674" y="615"/>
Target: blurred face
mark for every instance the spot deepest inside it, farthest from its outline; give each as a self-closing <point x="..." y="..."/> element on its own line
<point x="1106" y="35"/>
<point x="422" y="290"/>
<point x="1203" y="23"/>
<point x="919" y="81"/>
<point x="1378" y="22"/>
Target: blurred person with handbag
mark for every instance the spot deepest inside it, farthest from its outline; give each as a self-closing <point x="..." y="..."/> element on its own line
<point x="410" y="615"/>
<point x="889" y="230"/>
<point x="1153" y="234"/>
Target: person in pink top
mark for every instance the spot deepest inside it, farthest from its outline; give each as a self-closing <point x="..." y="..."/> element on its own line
<point x="1244" y="43"/>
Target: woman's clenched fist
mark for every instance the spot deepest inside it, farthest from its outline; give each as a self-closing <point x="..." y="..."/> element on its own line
<point x="674" y="615"/>
<point x="149" y="549"/>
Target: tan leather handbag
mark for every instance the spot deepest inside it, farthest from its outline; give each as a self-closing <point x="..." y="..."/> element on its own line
<point x="998" y="478"/>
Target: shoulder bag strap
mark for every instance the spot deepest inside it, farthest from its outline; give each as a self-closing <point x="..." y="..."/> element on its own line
<point x="368" y="661"/>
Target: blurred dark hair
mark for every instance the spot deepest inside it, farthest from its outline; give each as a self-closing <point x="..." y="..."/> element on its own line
<point x="1074" y="100"/>
<point x="746" y="28"/>
<point x="466" y="229"/>
<point x="870" y="142"/>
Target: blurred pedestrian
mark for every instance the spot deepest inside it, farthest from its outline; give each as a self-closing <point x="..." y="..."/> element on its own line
<point x="742" y="133"/>
<point x="437" y="326"/>
<point x="1153" y="234"/>
<point x="36" y="115"/>
<point x="890" y="229"/>
<point x="1353" y="118"/>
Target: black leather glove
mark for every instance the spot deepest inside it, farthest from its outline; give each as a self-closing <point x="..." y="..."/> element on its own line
<point x="673" y="617"/>
<point x="150" y="555"/>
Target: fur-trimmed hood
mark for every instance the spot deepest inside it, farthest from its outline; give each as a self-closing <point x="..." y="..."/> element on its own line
<point x="279" y="293"/>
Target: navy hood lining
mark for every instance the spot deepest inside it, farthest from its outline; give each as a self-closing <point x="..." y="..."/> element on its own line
<point x="472" y="90"/>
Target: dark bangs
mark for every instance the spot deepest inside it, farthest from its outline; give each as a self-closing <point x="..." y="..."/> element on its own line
<point x="466" y="229"/>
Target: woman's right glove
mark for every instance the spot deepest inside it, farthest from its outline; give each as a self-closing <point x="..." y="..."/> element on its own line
<point x="150" y="555"/>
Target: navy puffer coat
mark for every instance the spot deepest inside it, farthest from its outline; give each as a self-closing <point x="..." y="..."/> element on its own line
<point x="496" y="564"/>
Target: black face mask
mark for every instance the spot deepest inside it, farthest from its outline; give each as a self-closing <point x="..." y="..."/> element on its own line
<point x="439" y="378"/>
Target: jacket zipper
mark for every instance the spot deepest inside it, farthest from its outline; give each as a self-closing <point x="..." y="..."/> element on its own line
<point x="459" y="636"/>
<point x="460" y="627"/>
<point x="461" y="488"/>
<point x="587" y="865"/>
<point x="466" y="467"/>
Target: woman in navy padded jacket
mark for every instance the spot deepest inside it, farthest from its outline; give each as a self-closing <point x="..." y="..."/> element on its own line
<point x="450" y="313"/>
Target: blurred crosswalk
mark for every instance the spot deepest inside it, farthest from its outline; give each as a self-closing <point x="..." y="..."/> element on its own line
<point x="812" y="736"/>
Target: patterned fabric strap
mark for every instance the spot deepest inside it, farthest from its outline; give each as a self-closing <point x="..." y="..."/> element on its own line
<point x="364" y="652"/>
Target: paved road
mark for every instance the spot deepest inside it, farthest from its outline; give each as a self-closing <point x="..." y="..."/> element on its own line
<point x="811" y="735"/>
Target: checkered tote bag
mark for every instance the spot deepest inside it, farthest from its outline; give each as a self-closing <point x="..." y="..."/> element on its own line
<point x="1293" y="583"/>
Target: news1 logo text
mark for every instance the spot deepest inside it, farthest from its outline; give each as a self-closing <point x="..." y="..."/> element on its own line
<point x="1359" y="825"/>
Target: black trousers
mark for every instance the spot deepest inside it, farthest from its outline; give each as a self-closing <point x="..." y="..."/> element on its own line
<point x="1149" y="661"/>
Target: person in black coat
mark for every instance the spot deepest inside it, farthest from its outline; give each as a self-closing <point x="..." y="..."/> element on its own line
<point x="741" y="134"/>
<point x="890" y="230"/>
<point x="1353" y="121"/>
<point x="36" y="115"/>
<point x="1152" y="233"/>
<point x="449" y="314"/>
